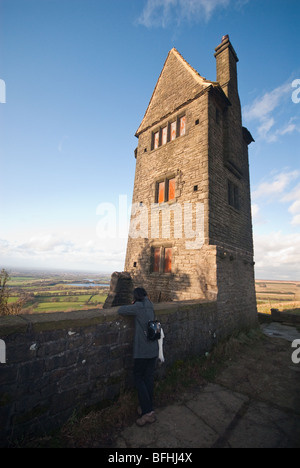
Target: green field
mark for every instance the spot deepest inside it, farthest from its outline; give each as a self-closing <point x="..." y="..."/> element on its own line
<point x="63" y="306"/>
<point x="56" y="293"/>
<point x="282" y="295"/>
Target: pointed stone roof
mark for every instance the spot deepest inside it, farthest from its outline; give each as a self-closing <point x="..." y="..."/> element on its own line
<point x="177" y="84"/>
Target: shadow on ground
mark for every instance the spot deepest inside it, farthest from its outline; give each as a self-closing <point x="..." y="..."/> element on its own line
<point x="245" y="396"/>
<point x="253" y="402"/>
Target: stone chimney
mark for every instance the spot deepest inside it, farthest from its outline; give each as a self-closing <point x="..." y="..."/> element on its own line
<point x="227" y="59"/>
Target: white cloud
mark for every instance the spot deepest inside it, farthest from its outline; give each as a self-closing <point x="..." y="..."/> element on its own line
<point x="290" y="127"/>
<point x="156" y="13"/>
<point x="46" y="243"/>
<point x="294" y="209"/>
<point x="267" y="111"/>
<point x="296" y="219"/>
<point x="160" y="13"/>
<point x="257" y="216"/>
<point x="278" y="190"/>
<point x="255" y="210"/>
<point x="294" y="194"/>
<point x="57" y="252"/>
<point x="277" y="256"/>
<point x="276" y="186"/>
<point x="263" y="106"/>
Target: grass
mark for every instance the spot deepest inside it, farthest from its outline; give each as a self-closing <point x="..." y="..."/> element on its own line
<point x="295" y="311"/>
<point x="56" y="307"/>
<point x="46" y="293"/>
<point x="23" y="280"/>
<point x="99" y="427"/>
<point x="61" y="303"/>
<point x="291" y="307"/>
<point x="277" y="295"/>
<point x="12" y="299"/>
<point x="73" y="303"/>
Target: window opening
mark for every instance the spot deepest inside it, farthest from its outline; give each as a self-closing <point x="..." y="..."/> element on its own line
<point x="182" y="126"/>
<point x="233" y="195"/>
<point x="169" y="132"/>
<point x="156" y="263"/>
<point x="165" y="190"/>
<point x="156" y="140"/>
<point x="164" y="135"/>
<point x="171" y="189"/>
<point x="173" y="130"/>
<point x="162" y="260"/>
<point x="168" y="260"/>
<point x="161" y="192"/>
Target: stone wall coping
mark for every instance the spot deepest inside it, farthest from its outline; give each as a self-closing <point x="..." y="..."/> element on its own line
<point x="279" y="316"/>
<point x="62" y="320"/>
<point x="284" y="316"/>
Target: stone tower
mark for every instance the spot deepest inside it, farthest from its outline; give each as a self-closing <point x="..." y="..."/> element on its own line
<point x="191" y="229"/>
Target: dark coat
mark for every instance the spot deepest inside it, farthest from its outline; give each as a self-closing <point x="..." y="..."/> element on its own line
<point x="143" y="312"/>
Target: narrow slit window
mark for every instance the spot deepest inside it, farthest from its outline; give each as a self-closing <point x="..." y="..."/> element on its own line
<point x="168" y="260"/>
<point x="233" y="195"/>
<point x="173" y="131"/>
<point x="236" y="197"/>
<point x="171" y="189"/>
<point x="230" y="197"/>
<point x="161" y="192"/>
<point x="164" y="135"/>
<point x="182" y="126"/>
<point x="156" y="260"/>
<point x="156" y="140"/>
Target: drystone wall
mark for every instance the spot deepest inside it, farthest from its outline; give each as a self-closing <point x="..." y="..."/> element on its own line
<point x="236" y="290"/>
<point x="61" y="362"/>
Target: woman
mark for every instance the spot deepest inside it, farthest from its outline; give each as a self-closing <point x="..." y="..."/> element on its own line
<point x="145" y="354"/>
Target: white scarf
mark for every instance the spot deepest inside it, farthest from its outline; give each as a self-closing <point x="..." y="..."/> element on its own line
<point x="160" y="346"/>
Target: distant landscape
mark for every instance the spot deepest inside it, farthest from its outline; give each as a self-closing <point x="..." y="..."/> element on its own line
<point x="65" y="292"/>
<point x="58" y="292"/>
<point x="282" y="295"/>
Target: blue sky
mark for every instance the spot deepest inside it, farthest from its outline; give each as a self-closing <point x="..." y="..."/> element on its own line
<point x="76" y="77"/>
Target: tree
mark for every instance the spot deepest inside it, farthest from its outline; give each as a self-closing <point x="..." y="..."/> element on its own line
<point x="5" y="308"/>
<point x="4" y="278"/>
